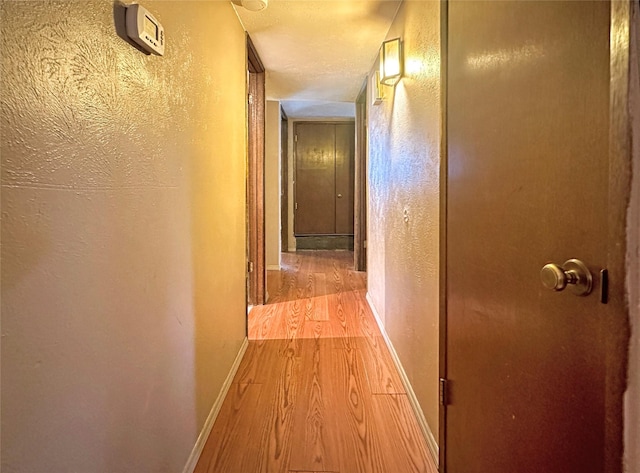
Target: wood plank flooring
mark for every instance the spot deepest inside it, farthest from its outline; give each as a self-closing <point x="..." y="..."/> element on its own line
<point x="317" y="390"/>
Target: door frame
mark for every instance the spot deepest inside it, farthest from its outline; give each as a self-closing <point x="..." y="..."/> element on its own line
<point x="620" y="159"/>
<point x="255" y="177"/>
<point x="284" y="181"/>
<point x="442" y="342"/>
<point x="360" y="184"/>
<point x="632" y="406"/>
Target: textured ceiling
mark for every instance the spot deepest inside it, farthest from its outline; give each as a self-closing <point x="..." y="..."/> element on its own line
<point x="318" y="51"/>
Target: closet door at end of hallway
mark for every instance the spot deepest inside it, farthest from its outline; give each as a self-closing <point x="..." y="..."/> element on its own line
<point x="345" y="145"/>
<point x="324" y="178"/>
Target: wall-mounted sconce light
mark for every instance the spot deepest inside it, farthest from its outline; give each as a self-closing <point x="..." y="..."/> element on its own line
<point x="391" y="62"/>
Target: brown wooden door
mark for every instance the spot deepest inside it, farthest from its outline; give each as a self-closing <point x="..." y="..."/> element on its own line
<point x="324" y="178"/>
<point x="534" y="375"/>
<point x="344" y="156"/>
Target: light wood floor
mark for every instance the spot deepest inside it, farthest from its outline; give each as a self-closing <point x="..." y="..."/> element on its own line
<point x="317" y="390"/>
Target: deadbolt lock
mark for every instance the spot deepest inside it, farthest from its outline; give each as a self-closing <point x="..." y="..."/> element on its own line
<point x="573" y="273"/>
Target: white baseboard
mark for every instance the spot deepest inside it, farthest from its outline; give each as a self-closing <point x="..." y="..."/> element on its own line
<point x="411" y="395"/>
<point x="215" y="410"/>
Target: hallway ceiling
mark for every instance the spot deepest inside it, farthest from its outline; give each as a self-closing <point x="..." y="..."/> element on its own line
<point x="317" y="53"/>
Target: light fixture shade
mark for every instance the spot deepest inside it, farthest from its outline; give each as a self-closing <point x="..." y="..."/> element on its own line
<point x="391" y="62"/>
<point x="254" y="5"/>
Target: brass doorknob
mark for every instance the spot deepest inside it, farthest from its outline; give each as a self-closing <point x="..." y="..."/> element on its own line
<point x="573" y="273"/>
<point x="339" y="196"/>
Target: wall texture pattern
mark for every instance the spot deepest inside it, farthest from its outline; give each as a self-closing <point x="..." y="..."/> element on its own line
<point x="403" y="225"/>
<point x="123" y="232"/>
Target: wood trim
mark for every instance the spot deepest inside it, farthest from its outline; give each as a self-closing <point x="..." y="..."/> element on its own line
<point x="284" y="181"/>
<point x="256" y="189"/>
<point x="442" y="265"/>
<point x="254" y="63"/>
<point x="632" y="394"/>
<point x="192" y="461"/>
<point x="360" y="184"/>
<point x="411" y="395"/>
<point x="255" y="177"/>
<point x="620" y="158"/>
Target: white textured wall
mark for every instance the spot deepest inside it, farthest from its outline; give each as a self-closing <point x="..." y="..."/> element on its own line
<point x="404" y="199"/>
<point x="272" y="184"/>
<point x="123" y="233"/>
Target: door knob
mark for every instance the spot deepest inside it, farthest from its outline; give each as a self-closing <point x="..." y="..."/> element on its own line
<point x="339" y="196"/>
<point x="573" y="273"/>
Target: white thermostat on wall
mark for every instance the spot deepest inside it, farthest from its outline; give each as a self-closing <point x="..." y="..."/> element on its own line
<point x="144" y="29"/>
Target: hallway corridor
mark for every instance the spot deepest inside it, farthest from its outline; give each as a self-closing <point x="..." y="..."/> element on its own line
<point x="317" y="390"/>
